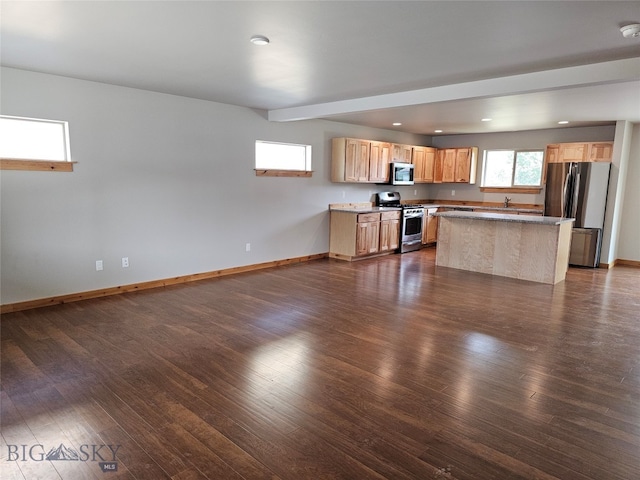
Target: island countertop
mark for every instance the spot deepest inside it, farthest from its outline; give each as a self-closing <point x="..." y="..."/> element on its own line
<point x="506" y="217"/>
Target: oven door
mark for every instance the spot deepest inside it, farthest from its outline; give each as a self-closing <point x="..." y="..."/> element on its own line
<point x="412" y="226"/>
<point x="411" y="231"/>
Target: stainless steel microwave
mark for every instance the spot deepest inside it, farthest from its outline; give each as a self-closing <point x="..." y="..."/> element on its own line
<point x="401" y="174"/>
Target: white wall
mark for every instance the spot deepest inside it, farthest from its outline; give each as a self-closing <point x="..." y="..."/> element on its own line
<point x="629" y="239"/>
<point x="167" y="181"/>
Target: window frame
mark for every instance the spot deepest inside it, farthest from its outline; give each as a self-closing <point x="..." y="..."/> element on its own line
<point x="38" y="164"/>
<point x="280" y="172"/>
<point x="513" y="188"/>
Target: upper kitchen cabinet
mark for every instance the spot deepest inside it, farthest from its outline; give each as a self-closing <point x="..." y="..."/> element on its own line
<point x="367" y="161"/>
<point x="573" y="152"/>
<point x="456" y="165"/>
<point x="466" y="164"/>
<point x="359" y="161"/>
<point x="553" y="154"/>
<point x="579" y="152"/>
<point x="600" y="152"/>
<point x="423" y="159"/>
<point x="379" y="158"/>
<point x="350" y="160"/>
<point x="445" y="165"/>
<point x="401" y="153"/>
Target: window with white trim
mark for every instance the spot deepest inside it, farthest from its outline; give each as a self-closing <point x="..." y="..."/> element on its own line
<point x="282" y="159"/>
<point x="34" y="144"/>
<point x="512" y="168"/>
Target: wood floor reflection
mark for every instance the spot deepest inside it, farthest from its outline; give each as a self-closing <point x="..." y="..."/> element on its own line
<point x="385" y="368"/>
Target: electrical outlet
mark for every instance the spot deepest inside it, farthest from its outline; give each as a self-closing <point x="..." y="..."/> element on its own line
<point x="125" y="262"/>
<point x="344" y="194"/>
<point x="453" y="193"/>
<point x="99" y="265"/>
<point x="415" y="192"/>
<point x="247" y="247"/>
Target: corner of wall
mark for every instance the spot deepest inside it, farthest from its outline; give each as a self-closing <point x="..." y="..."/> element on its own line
<point x="616" y="193"/>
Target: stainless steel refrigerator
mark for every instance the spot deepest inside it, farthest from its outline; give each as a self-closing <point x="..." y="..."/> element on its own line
<point x="579" y="190"/>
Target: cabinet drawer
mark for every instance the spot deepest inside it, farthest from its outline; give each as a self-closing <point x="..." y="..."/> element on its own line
<point x="368" y="217"/>
<point x="390" y="215"/>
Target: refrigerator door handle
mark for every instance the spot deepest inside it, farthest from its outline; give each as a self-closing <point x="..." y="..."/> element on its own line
<point x="565" y="194"/>
<point x="574" y="201"/>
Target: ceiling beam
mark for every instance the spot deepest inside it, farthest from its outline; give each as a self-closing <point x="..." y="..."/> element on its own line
<point x="578" y="76"/>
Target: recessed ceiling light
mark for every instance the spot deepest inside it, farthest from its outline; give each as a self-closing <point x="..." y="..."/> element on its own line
<point x="563" y="122"/>
<point x="487" y="119"/>
<point x="396" y="124"/>
<point x="259" y="40"/>
<point x="437" y="131"/>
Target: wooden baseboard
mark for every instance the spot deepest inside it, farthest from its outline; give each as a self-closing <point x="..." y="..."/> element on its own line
<point x="628" y="263"/>
<point x="77" y="297"/>
<point x="619" y="261"/>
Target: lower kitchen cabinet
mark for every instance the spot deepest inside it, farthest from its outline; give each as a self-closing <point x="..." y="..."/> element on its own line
<point x="389" y="231"/>
<point x="430" y="226"/>
<point x="356" y="235"/>
<point x="368" y="234"/>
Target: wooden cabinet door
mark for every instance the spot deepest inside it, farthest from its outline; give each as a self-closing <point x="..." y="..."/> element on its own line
<point x="379" y="157"/>
<point x="573" y="152"/>
<point x="463" y="165"/>
<point x="425" y="224"/>
<point x="432" y="228"/>
<point x="438" y="166"/>
<point x="429" y="164"/>
<point x="553" y="154"/>
<point x="401" y="153"/>
<point x="394" y="234"/>
<point x="449" y="165"/>
<point x="424" y="160"/>
<point x="418" y="160"/>
<point x="367" y="238"/>
<point x="357" y="160"/>
<point x="385" y="235"/>
<point x="389" y="231"/>
<point x="600" y="152"/>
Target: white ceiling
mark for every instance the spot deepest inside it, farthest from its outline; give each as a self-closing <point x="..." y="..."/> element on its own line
<point x="426" y="64"/>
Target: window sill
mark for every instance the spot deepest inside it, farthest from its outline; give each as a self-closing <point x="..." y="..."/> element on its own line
<point x="36" y="165"/>
<point x="283" y="173"/>
<point x="532" y="190"/>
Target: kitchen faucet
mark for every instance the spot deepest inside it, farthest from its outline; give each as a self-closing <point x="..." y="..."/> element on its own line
<point x="506" y="202"/>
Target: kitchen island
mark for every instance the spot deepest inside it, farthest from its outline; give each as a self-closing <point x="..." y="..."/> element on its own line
<point x="525" y="247"/>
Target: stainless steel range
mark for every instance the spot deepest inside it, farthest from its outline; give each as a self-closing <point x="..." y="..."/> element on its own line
<point x="411" y="224"/>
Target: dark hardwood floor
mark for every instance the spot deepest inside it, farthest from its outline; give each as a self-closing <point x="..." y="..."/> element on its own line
<point x="384" y="368"/>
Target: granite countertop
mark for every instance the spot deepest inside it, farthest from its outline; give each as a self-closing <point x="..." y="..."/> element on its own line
<point x="368" y="208"/>
<point x="506" y="217"/>
<point x="363" y="209"/>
